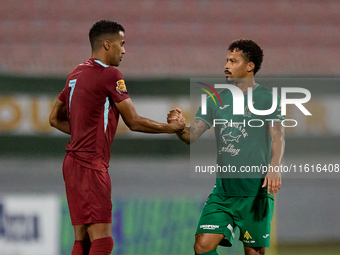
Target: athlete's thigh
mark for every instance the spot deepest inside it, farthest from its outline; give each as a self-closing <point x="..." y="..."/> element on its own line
<point x="205" y="242"/>
<point x="256" y="223"/>
<point x="80" y="233"/>
<point x="215" y="220"/>
<point x="254" y="250"/>
<point x="99" y="230"/>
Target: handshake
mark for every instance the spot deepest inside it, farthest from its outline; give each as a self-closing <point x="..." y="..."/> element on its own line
<point x="176" y="120"/>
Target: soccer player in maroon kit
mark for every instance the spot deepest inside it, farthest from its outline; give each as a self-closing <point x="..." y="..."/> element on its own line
<point x="88" y="109"/>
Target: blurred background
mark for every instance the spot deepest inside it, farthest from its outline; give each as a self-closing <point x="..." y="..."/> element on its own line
<point x="156" y="202"/>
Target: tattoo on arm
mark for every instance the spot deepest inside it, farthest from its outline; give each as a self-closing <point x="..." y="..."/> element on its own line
<point x="197" y="128"/>
<point x="192" y="133"/>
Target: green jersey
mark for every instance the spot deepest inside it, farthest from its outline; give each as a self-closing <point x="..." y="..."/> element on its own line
<point x="243" y="141"/>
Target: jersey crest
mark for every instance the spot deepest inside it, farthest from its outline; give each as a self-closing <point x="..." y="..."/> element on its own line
<point x="247" y="112"/>
<point x="121" y="88"/>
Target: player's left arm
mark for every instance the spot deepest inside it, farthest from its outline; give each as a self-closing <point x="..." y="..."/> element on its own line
<point x="273" y="179"/>
<point x="141" y="124"/>
<point x="58" y="117"/>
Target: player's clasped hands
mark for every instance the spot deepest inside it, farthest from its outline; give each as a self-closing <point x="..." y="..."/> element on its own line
<point x="175" y="115"/>
<point x="176" y="120"/>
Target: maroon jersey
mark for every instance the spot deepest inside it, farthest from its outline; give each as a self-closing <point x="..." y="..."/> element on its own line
<point x="90" y="92"/>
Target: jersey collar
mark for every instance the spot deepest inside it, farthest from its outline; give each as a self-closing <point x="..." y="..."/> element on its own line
<point x="100" y="63"/>
<point x="255" y="87"/>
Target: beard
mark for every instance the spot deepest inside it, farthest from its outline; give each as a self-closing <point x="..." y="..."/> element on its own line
<point x="235" y="81"/>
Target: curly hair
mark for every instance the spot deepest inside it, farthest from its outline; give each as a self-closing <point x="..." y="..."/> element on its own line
<point x="251" y="51"/>
<point x="103" y="27"/>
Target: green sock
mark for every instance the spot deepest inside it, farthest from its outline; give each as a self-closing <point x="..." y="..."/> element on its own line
<point x="212" y="252"/>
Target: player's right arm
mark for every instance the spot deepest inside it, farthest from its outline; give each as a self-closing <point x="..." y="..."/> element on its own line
<point x="58" y="117"/>
<point x="141" y="124"/>
<point x="188" y="134"/>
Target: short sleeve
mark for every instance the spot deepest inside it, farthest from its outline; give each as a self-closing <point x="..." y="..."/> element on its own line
<point x="115" y="85"/>
<point x="209" y="117"/>
<point x="62" y="96"/>
<point x="276" y="115"/>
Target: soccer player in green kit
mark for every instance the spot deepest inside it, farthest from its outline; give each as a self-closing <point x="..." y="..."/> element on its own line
<point x="243" y="200"/>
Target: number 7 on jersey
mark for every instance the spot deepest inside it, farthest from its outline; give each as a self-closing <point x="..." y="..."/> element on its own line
<point x="72" y="85"/>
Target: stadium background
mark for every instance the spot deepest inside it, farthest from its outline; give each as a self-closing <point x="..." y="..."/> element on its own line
<point x="156" y="201"/>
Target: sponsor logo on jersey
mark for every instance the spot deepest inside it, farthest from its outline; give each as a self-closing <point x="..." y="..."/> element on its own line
<point x="121" y="88"/>
<point x="212" y="227"/>
<point x="248" y="241"/>
<point x="224" y="106"/>
<point x="236" y="126"/>
<point x="248" y="237"/>
<point x="266" y="236"/>
<point x="231" y="149"/>
<point x="229" y="138"/>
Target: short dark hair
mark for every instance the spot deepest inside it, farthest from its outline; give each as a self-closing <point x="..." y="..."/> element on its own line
<point x="251" y="51"/>
<point x="103" y="27"/>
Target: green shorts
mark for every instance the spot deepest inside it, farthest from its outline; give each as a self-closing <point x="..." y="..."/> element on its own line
<point x="253" y="216"/>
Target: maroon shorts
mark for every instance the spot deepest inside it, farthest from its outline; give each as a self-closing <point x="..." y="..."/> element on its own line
<point x="88" y="193"/>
